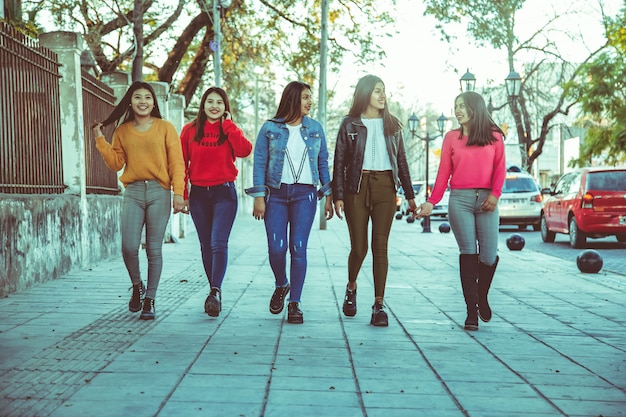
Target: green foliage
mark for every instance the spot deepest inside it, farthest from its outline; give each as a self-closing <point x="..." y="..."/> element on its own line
<point x="489" y="22"/>
<point x="601" y="91"/>
<point x="281" y="37"/>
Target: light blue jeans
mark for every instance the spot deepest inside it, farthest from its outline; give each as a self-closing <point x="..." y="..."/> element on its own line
<point x="476" y="231"/>
<point x="145" y="203"/>
<point x="291" y="208"/>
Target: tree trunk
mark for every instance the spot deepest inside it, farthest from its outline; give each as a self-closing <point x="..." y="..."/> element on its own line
<point x="137" y="71"/>
<point x="192" y="79"/>
<point x="166" y="73"/>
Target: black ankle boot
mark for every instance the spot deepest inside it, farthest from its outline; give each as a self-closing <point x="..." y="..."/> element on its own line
<point x="148" y="312"/>
<point x="379" y="317"/>
<point x="213" y="303"/>
<point x="294" y="313"/>
<point x="349" y="302"/>
<point x="468" y="267"/>
<point x="134" y="305"/>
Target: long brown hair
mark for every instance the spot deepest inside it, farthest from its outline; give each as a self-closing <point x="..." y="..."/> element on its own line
<point x="361" y="99"/>
<point x="200" y="119"/>
<point x="290" y="106"/>
<point x="481" y="126"/>
<point x="124" y="112"/>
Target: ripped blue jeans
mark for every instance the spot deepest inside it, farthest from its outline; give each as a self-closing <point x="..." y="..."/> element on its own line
<point x="289" y="214"/>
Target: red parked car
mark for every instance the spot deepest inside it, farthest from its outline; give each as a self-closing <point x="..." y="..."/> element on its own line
<point x="586" y="203"/>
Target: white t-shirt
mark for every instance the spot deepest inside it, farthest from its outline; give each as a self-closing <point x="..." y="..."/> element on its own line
<point x="296" y="168"/>
<point x="376" y="157"/>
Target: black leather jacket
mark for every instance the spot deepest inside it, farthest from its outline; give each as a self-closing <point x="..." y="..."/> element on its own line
<point x="348" y="162"/>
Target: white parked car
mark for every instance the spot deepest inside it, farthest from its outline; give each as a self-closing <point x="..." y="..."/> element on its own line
<point x="441" y="209"/>
<point x="521" y="201"/>
<point x="420" y="193"/>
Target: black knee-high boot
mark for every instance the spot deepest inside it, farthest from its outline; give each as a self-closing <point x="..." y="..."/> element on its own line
<point x="485" y="277"/>
<point x="468" y="265"/>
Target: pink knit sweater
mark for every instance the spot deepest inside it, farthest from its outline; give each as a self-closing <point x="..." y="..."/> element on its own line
<point x="469" y="166"/>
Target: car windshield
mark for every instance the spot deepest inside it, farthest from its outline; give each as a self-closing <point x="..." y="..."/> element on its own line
<point x="607" y="181"/>
<point x="519" y="185"/>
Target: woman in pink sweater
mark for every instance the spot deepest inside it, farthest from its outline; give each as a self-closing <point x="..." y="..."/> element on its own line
<point x="210" y="144"/>
<point x="472" y="161"/>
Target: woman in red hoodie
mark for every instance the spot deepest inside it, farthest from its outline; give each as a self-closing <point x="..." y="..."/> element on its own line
<point x="210" y="143"/>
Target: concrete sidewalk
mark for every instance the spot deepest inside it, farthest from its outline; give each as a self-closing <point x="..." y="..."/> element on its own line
<point x="556" y="345"/>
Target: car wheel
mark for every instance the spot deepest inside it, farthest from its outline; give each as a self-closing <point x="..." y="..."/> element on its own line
<point x="546" y="235"/>
<point x="536" y="227"/>
<point x="522" y="226"/>
<point x="577" y="239"/>
<point x="621" y="238"/>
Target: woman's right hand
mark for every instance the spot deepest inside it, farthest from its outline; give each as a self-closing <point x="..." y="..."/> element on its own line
<point x="259" y="208"/>
<point x="97" y="129"/>
<point x="339" y="208"/>
<point x="424" y="210"/>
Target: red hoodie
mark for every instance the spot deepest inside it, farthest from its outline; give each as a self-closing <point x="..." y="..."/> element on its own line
<point x="206" y="162"/>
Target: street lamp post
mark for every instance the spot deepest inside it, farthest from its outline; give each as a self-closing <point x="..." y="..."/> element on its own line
<point x="413" y="123"/>
<point x="218" y="5"/>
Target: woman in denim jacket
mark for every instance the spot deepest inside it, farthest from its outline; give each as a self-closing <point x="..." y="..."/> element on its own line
<point x="370" y="164"/>
<point x="290" y="162"/>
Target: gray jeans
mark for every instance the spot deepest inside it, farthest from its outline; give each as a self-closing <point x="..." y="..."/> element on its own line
<point x="145" y="203"/>
<point x="475" y="230"/>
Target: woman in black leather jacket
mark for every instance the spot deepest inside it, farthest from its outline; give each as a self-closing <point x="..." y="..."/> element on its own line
<point x="370" y="163"/>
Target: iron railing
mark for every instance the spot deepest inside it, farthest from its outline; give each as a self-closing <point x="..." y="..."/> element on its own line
<point x="98" y="102"/>
<point x="31" y="161"/>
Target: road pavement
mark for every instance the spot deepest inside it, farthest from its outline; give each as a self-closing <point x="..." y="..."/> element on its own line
<point x="556" y="345"/>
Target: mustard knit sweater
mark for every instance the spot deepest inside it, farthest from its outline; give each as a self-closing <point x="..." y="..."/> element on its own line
<point x="155" y="154"/>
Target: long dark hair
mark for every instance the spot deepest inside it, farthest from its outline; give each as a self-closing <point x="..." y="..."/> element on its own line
<point x="361" y="99"/>
<point x="201" y="118"/>
<point x="124" y="112"/>
<point x="290" y="106"/>
<point x="481" y="126"/>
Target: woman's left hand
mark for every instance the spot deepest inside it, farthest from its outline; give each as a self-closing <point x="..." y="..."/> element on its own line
<point x="490" y="203"/>
<point x="178" y="204"/>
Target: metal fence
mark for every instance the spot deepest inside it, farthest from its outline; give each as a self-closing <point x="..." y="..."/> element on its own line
<point x="30" y="127"/>
<point x="98" y="102"/>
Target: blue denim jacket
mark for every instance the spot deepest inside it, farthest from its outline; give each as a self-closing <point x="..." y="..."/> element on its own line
<point x="269" y="156"/>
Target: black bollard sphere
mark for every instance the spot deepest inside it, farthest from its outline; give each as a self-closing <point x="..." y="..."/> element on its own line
<point x="444" y="228"/>
<point x="515" y="241"/>
<point x="399" y="216"/>
<point x="410" y="219"/>
<point x="589" y="261"/>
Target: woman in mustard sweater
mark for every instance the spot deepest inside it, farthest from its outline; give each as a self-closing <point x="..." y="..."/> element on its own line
<point x="148" y="148"/>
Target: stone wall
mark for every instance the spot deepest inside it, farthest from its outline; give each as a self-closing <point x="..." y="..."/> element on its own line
<point x="42" y="237"/>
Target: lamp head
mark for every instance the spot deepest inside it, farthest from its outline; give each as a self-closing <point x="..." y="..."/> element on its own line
<point x="513" y="84"/>
<point x="441" y="123"/>
<point x="413" y="122"/>
<point x="468" y="81"/>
